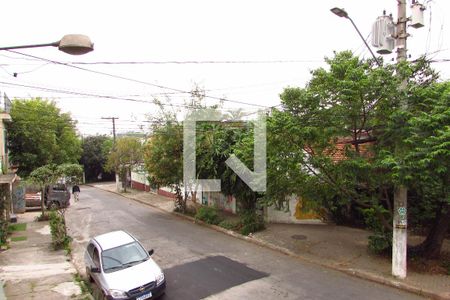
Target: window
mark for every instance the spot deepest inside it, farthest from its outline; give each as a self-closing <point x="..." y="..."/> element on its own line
<point x="96" y="257"/>
<point x="123" y="256"/>
<point x="90" y="250"/>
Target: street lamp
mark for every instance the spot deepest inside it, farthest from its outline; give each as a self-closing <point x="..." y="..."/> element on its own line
<point x="74" y="44"/>
<point x="340" y="12"/>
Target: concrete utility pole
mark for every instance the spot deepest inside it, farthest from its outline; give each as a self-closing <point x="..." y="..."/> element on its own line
<point x="400" y="234"/>
<point x="114" y="144"/>
<point x="114" y="126"/>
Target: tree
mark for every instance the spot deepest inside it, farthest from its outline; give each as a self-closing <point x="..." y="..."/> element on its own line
<point x="95" y="155"/>
<point x="126" y="154"/>
<point x="51" y="174"/>
<point x="345" y="140"/>
<point x="331" y="119"/>
<point x="163" y="157"/>
<point x="425" y="166"/>
<point x="40" y="134"/>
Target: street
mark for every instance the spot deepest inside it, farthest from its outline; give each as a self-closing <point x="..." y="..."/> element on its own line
<point x="202" y="263"/>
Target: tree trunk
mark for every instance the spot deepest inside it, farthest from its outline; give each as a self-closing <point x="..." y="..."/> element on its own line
<point x="124" y="180"/>
<point x="431" y="247"/>
<point x="42" y="201"/>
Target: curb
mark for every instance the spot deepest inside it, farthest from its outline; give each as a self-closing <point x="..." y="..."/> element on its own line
<point x="2" y="291"/>
<point x="349" y="271"/>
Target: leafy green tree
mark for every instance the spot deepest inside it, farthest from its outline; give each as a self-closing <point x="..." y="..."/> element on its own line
<point x="126" y="154"/>
<point x="345" y="140"/>
<point x="40" y="134"/>
<point x="95" y="155"/>
<point x="51" y="174"/>
<point x="332" y="118"/>
<point x="424" y="165"/>
<point x="163" y="158"/>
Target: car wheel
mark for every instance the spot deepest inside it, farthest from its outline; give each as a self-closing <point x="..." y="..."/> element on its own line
<point x="97" y="292"/>
<point x="88" y="275"/>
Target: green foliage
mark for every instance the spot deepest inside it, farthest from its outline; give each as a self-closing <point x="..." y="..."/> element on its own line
<point x="84" y="285"/>
<point x="60" y="239"/>
<point x="18" y="238"/>
<point x="380" y="242"/>
<point x="3" y="232"/>
<point x="126" y="154"/>
<point x="95" y="154"/>
<point x="163" y="155"/>
<point x="40" y="134"/>
<point x="351" y="135"/>
<point x="229" y="225"/>
<point x="17" y="227"/>
<point x="4" y="215"/>
<point x="208" y="215"/>
<point x="45" y="175"/>
<point x="250" y="222"/>
<point x="73" y="173"/>
<point x="51" y="174"/>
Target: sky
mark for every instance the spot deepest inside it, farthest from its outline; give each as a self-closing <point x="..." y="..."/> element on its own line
<point x="246" y="52"/>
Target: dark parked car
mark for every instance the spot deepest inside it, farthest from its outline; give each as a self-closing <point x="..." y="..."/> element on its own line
<point x="57" y="196"/>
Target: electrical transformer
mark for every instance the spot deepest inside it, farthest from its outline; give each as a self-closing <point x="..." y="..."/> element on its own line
<point x="417" y="15"/>
<point x="383" y="35"/>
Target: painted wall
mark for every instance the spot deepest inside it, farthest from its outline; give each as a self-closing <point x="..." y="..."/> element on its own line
<point x="18" y="198"/>
<point x="294" y="212"/>
<point x="221" y="201"/>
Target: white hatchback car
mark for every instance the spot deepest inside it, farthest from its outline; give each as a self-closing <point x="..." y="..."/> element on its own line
<point x="121" y="267"/>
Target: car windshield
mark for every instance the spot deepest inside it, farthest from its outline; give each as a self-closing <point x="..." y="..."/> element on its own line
<point x="123" y="257"/>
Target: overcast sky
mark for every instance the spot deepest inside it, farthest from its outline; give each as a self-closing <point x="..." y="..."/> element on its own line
<point x="287" y="38"/>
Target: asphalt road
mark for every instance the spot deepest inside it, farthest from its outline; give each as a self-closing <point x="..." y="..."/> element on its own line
<point x="203" y="263"/>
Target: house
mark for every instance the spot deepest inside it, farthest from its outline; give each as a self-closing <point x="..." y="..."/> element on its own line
<point x="8" y="178"/>
<point x="139" y="181"/>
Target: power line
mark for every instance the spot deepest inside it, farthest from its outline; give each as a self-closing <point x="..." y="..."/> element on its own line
<point x="94" y="95"/>
<point x="134" y="80"/>
<point x="196" y="62"/>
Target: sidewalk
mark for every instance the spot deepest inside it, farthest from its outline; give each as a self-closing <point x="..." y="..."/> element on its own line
<point x="337" y="247"/>
<point x="30" y="269"/>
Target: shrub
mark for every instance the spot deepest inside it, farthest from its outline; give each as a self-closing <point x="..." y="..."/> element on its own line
<point x="381" y="240"/>
<point x="208" y="215"/>
<point x="379" y="244"/>
<point x="229" y="225"/>
<point x="60" y="239"/>
<point x="3" y="232"/>
<point x="251" y="222"/>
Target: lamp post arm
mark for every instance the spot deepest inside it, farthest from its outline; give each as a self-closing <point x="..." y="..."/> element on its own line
<point x="371" y="52"/>
<point x="54" y="44"/>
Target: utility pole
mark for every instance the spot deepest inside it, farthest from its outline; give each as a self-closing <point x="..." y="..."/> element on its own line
<point x="114" y="126"/>
<point x="114" y="145"/>
<point x="400" y="234"/>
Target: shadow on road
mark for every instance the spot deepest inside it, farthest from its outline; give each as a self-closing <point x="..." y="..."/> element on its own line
<point x="206" y="277"/>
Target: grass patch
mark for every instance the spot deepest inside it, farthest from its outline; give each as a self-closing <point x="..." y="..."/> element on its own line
<point x="229" y="224"/>
<point x="17" y="227"/>
<point x="18" y="238"/>
<point x="85" y="286"/>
